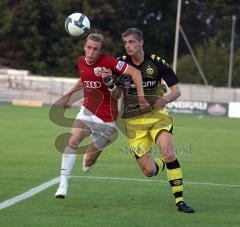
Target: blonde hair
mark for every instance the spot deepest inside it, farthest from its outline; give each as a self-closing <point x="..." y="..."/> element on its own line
<point x="96" y="37"/>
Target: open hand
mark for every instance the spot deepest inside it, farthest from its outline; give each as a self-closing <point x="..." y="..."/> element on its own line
<point x="160" y="103"/>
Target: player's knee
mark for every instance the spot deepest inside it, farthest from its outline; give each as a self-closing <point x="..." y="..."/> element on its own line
<point x="149" y="172"/>
<point x="169" y="157"/>
<point x="110" y="135"/>
<point x="89" y="160"/>
<point x="74" y="141"/>
<point x="168" y="154"/>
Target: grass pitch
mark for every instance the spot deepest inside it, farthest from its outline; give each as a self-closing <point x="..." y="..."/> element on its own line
<point x="110" y="195"/>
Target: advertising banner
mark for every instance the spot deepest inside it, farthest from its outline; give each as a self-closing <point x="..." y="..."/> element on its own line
<point x="234" y="109"/>
<point x="199" y="108"/>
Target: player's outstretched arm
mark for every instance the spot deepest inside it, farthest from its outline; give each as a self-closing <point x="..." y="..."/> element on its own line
<point x="66" y="98"/>
<point x="174" y="93"/>
<point x="172" y="96"/>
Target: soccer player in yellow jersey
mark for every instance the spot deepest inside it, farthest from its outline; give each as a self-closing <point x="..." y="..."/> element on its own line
<point x="156" y="125"/>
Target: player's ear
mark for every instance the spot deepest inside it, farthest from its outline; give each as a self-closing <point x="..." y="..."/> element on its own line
<point x="102" y="49"/>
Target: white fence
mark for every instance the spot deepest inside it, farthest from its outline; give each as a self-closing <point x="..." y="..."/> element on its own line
<point x="209" y="93"/>
<point x="18" y="84"/>
<point x="24" y="86"/>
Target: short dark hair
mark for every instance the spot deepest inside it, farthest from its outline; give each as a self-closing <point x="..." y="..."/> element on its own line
<point x="133" y="31"/>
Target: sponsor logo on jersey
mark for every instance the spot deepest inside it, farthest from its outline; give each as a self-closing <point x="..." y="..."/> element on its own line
<point x="97" y="71"/>
<point x="92" y="84"/>
<point x="149" y="71"/>
<point x="119" y="65"/>
<point x="149" y="83"/>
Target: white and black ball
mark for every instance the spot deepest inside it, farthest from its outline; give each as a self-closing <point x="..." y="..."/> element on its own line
<point x="77" y="24"/>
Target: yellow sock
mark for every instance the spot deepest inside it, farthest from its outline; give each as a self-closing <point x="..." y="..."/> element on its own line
<point x="174" y="174"/>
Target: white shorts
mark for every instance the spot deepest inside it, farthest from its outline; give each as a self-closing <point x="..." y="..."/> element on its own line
<point x="101" y="132"/>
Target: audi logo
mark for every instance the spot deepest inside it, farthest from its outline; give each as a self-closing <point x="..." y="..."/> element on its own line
<point x="92" y="84"/>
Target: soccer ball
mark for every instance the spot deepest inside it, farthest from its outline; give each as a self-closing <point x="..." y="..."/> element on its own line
<point x="77" y="24"/>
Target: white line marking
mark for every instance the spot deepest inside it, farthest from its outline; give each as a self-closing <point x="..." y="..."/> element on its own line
<point x="210" y="130"/>
<point x="46" y="185"/>
<point x="30" y="193"/>
<point x="157" y="181"/>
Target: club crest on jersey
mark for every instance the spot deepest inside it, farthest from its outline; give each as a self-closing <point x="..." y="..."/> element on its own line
<point x="149" y="71"/>
<point x="119" y="65"/>
<point x="97" y="71"/>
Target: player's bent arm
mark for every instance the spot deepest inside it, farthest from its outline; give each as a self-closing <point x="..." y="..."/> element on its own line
<point x="66" y="98"/>
<point x="173" y="95"/>
<point x="76" y="87"/>
<point x="137" y="79"/>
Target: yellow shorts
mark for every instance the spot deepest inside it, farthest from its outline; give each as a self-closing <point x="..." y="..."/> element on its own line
<point x="142" y="130"/>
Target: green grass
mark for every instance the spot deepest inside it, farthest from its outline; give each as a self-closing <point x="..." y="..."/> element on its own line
<point x="208" y="150"/>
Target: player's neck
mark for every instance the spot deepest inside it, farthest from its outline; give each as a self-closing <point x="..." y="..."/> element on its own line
<point x="138" y="58"/>
<point x="90" y="62"/>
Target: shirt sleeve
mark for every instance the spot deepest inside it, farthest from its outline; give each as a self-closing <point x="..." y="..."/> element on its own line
<point x="167" y="73"/>
<point x="116" y="65"/>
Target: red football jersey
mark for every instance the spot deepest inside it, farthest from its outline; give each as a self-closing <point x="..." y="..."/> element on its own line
<point x="97" y="98"/>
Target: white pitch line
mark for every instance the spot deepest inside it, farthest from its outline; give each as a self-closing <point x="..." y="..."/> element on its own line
<point x="46" y="185"/>
<point x="203" y="129"/>
<point x="30" y="193"/>
<point x="157" y="181"/>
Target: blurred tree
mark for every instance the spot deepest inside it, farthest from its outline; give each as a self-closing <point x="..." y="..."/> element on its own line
<point x="32" y="34"/>
<point x="236" y="69"/>
<point x="214" y="60"/>
<point x="202" y="20"/>
<point x="155" y="18"/>
<point x="24" y="26"/>
<point x="208" y="28"/>
<point x="64" y="49"/>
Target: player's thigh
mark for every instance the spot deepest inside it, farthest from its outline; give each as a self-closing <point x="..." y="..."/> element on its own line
<point x="103" y="135"/>
<point x="107" y="130"/>
<point x="79" y="131"/>
<point x="139" y="138"/>
<point x="164" y="141"/>
<point x="140" y="145"/>
<point x="164" y="123"/>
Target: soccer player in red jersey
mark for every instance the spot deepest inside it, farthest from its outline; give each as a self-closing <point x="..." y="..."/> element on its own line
<point x="99" y="110"/>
